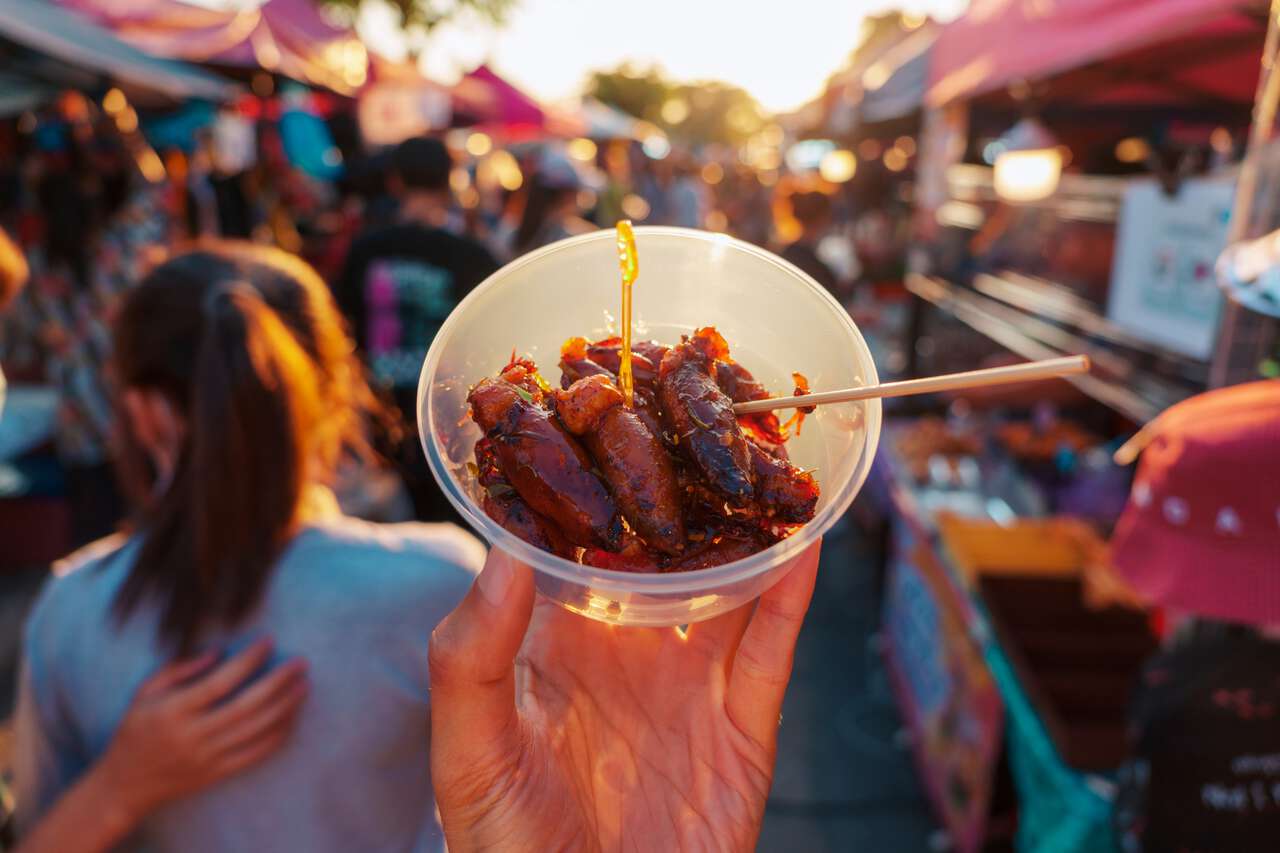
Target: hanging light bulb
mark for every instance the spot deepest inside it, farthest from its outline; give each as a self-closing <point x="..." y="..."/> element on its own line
<point x="1029" y="165"/>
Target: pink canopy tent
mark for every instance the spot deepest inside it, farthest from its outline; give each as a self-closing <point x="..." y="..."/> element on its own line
<point x="1118" y="51"/>
<point x="61" y="48"/>
<point x="492" y="103"/>
<point x="286" y="36"/>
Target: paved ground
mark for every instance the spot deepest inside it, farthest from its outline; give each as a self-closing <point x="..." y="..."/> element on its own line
<point x="841" y="785"/>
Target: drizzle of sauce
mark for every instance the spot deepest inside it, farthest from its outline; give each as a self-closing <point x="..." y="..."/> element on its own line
<point x="629" y="263"/>
<point x="797" y="419"/>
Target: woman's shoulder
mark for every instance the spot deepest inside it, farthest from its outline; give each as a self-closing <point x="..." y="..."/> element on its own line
<point x="95" y="554"/>
<point x="411" y="553"/>
<point x="80" y="588"/>
<point x="413" y="539"/>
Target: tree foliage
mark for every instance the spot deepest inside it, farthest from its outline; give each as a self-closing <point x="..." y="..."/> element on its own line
<point x="875" y="35"/>
<point x="697" y="113"/>
<point x="426" y="15"/>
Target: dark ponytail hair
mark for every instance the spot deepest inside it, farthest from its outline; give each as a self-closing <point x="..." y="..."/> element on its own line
<point x="246" y="345"/>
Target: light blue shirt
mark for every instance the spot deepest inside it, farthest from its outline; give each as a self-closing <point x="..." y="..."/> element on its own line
<point x="358" y="601"/>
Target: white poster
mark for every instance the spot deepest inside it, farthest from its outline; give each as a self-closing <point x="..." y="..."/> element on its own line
<point x="1163" y="288"/>
<point x="392" y="112"/>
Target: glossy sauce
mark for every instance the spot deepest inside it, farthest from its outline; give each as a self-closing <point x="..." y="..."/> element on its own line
<point x="797" y="419"/>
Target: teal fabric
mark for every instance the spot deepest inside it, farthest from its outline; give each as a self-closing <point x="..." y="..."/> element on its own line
<point x="309" y="145"/>
<point x="178" y="128"/>
<point x="1059" y="809"/>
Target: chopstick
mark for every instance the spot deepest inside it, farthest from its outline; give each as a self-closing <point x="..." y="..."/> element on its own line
<point x="1030" y="372"/>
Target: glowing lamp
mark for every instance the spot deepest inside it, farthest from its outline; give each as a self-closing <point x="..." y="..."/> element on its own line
<point x="838" y="166"/>
<point x="655" y="147"/>
<point x="582" y="149"/>
<point x="479" y="144"/>
<point x="114" y="102"/>
<point x="1132" y="150"/>
<point x="675" y="110"/>
<point x="1030" y="164"/>
<point x="635" y="207"/>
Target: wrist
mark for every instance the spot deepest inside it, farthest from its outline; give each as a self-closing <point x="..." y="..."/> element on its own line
<point x="121" y="803"/>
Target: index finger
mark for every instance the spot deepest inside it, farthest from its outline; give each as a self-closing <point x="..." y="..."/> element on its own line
<point x="225" y="678"/>
<point x="762" y="665"/>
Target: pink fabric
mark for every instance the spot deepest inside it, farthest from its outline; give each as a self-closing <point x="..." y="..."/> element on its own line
<point x="124" y="12"/>
<point x="1218" y="60"/>
<point x="482" y="93"/>
<point x="500" y="108"/>
<point x="997" y="42"/>
<point x="294" y="28"/>
<point x="1201" y="533"/>
<point x="169" y="27"/>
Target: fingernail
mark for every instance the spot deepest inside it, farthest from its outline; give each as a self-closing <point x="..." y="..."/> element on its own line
<point x="495" y="579"/>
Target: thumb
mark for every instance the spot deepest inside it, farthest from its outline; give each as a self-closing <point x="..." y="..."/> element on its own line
<point x="475" y="733"/>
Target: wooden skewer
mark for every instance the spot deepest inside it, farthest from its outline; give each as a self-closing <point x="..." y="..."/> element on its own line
<point x="1030" y="372"/>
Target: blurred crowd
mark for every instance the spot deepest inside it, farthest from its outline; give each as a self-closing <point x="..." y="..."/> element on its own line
<point x="401" y="235"/>
<point x="234" y="335"/>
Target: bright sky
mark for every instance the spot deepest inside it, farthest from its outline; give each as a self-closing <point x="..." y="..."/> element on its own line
<point x="780" y="51"/>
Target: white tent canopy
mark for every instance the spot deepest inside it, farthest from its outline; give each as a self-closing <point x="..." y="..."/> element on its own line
<point x="607" y="122"/>
<point x="47" y="29"/>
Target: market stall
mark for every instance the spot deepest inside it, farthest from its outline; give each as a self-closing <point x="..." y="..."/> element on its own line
<point x="54" y="48"/>
<point x="1077" y="172"/>
<point x="48" y="52"/>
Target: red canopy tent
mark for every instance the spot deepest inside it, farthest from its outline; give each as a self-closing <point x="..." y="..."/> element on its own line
<point x="1103" y="51"/>
<point x="286" y="36"/>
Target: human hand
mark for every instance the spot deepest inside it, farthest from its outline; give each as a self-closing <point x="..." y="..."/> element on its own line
<point x="619" y="735"/>
<point x="186" y="730"/>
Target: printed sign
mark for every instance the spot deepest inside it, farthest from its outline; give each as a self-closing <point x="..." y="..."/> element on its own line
<point x="947" y="696"/>
<point x="1163" y="288"/>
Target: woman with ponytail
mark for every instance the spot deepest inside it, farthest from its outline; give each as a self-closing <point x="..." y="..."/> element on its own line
<point x="237" y="395"/>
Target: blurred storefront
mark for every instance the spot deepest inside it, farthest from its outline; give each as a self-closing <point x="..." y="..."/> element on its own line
<point x="1081" y="169"/>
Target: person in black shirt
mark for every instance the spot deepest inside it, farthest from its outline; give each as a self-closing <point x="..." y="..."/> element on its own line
<point x="1198" y="540"/>
<point x="1204" y="775"/>
<point x="400" y="282"/>
<point x="813" y="211"/>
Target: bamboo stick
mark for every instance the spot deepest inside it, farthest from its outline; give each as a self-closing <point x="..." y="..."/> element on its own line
<point x="1033" y="371"/>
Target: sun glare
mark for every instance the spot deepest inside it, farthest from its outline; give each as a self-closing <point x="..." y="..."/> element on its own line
<point x="780" y="54"/>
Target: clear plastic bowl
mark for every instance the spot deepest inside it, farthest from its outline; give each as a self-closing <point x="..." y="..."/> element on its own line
<point x="776" y="320"/>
